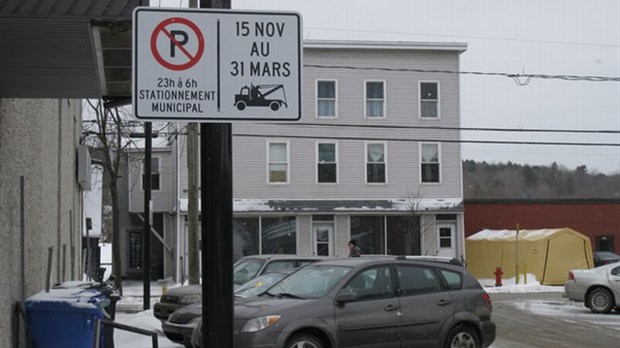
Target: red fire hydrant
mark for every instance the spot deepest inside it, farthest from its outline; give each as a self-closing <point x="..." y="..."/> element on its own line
<point x="498" y="276"/>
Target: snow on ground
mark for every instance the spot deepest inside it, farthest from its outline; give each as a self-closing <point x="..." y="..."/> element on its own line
<point x="144" y="320"/>
<point x="529" y="284"/>
<point x="130" y="311"/>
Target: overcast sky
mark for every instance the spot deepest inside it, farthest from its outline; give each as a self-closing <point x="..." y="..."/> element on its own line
<point x="550" y="37"/>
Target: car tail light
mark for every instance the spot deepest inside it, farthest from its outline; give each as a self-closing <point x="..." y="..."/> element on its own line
<point x="487" y="299"/>
<point x="571" y="276"/>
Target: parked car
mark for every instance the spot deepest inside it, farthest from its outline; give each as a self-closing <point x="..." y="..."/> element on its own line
<point x="381" y="302"/>
<point x="181" y="323"/>
<point x="598" y="288"/>
<point x="245" y="269"/>
<point x="604" y="258"/>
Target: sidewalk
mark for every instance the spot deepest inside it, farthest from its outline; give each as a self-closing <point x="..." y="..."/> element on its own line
<point x="132" y="299"/>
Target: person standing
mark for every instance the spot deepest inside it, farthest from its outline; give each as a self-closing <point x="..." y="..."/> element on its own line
<point x="354" y="250"/>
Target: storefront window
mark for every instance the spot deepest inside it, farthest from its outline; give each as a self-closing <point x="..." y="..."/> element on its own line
<point x="279" y="235"/>
<point x="403" y="235"/>
<point x="246" y="237"/>
<point x="368" y="231"/>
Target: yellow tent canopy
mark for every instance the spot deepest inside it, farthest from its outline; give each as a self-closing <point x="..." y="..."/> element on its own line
<point x="548" y="254"/>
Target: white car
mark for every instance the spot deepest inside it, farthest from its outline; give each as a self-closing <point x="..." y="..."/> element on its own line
<point x="598" y="288"/>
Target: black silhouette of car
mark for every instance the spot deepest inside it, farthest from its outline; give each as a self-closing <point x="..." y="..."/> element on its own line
<point x="604" y="258"/>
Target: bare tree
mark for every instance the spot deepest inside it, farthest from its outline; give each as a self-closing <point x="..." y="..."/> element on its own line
<point x="106" y="134"/>
<point x="414" y="222"/>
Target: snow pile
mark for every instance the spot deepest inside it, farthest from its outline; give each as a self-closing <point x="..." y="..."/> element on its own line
<point x="144" y="320"/>
<point x="75" y="294"/>
<point x="529" y="284"/>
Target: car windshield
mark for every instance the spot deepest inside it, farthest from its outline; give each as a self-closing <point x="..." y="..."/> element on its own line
<point x="259" y="285"/>
<point x="313" y="281"/>
<point x="244" y="270"/>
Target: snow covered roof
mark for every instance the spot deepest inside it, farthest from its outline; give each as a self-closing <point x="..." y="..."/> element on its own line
<point x="497" y="235"/>
<point x="341" y="206"/>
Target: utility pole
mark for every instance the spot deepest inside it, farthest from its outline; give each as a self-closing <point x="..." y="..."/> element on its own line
<point x="192" y="207"/>
<point x="517" y="255"/>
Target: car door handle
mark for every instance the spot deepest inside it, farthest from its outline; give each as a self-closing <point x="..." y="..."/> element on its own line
<point x="444" y="302"/>
<point x="390" y="308"/>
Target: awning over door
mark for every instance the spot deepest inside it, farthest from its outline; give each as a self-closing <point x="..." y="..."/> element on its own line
<point x="66" y="48"/>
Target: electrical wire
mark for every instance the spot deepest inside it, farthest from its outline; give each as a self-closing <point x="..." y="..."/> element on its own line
<point x="462" y="141"/>
<point x="400" y="139"/>
<point x="518" y="130"/>
<point x="502" y="74"/>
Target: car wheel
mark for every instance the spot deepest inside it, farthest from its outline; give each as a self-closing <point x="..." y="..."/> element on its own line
<point x="241" y="106"/>
<point x="600" y="300"/>
<point x="304" y="341"/>
<point x="275" y="106"/>
<point x="462" y="337"/>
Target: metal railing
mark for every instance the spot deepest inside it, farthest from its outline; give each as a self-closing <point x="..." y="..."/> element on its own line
<point x="100" y="323"/>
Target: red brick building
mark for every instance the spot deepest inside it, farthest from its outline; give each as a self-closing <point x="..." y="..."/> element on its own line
<point x="597" y="218"/>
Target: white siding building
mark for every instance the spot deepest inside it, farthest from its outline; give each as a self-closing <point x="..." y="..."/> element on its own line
<point x="376" y="158"/>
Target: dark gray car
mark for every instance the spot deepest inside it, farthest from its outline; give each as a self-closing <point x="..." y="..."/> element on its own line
<point x="374" y="302"/>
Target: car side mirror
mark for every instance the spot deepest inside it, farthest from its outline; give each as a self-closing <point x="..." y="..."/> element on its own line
<point x="345" y="297"/>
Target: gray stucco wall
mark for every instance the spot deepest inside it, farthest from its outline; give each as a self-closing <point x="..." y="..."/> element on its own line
<point x="38" y="140"/>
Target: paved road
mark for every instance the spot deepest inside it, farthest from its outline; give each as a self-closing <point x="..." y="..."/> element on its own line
<point x="541" y="320"/>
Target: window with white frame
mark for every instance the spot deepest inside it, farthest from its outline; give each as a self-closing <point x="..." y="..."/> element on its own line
<point x="429" y="100"/>
<point x="327" y="162"/>
<point x="278" y="162"/>
<point x="326" y="98"/>
<point x="375" y="99"/>
<point x="375" y="162"/>
<point x="154" y="175"/>
<point x="429" y="163"/>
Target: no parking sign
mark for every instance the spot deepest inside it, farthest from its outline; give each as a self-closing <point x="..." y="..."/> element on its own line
<point x="210" y="65"/>
<point x="162" y="36"/>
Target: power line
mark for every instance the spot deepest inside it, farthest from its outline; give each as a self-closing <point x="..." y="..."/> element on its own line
<point x="487" y="129"/>
<point x="502" y="74"/>
<point x="430" y="140"/>
<point x="470" y="141"/>
<point x="519" y="130"/>
<point x="465" y="141"/>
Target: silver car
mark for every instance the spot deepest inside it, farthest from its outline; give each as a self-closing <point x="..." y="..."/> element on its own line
<point x="598" y="288"/>
<point x="367" y="302"/>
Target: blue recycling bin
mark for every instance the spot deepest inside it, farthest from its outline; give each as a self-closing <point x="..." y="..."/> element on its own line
<point x="66" y="318"/>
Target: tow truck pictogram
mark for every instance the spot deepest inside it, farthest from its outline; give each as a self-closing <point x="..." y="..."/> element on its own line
<point x="256" y="95"/>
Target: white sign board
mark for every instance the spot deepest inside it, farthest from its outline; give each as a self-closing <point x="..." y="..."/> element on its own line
<point x="209" y="65"/>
